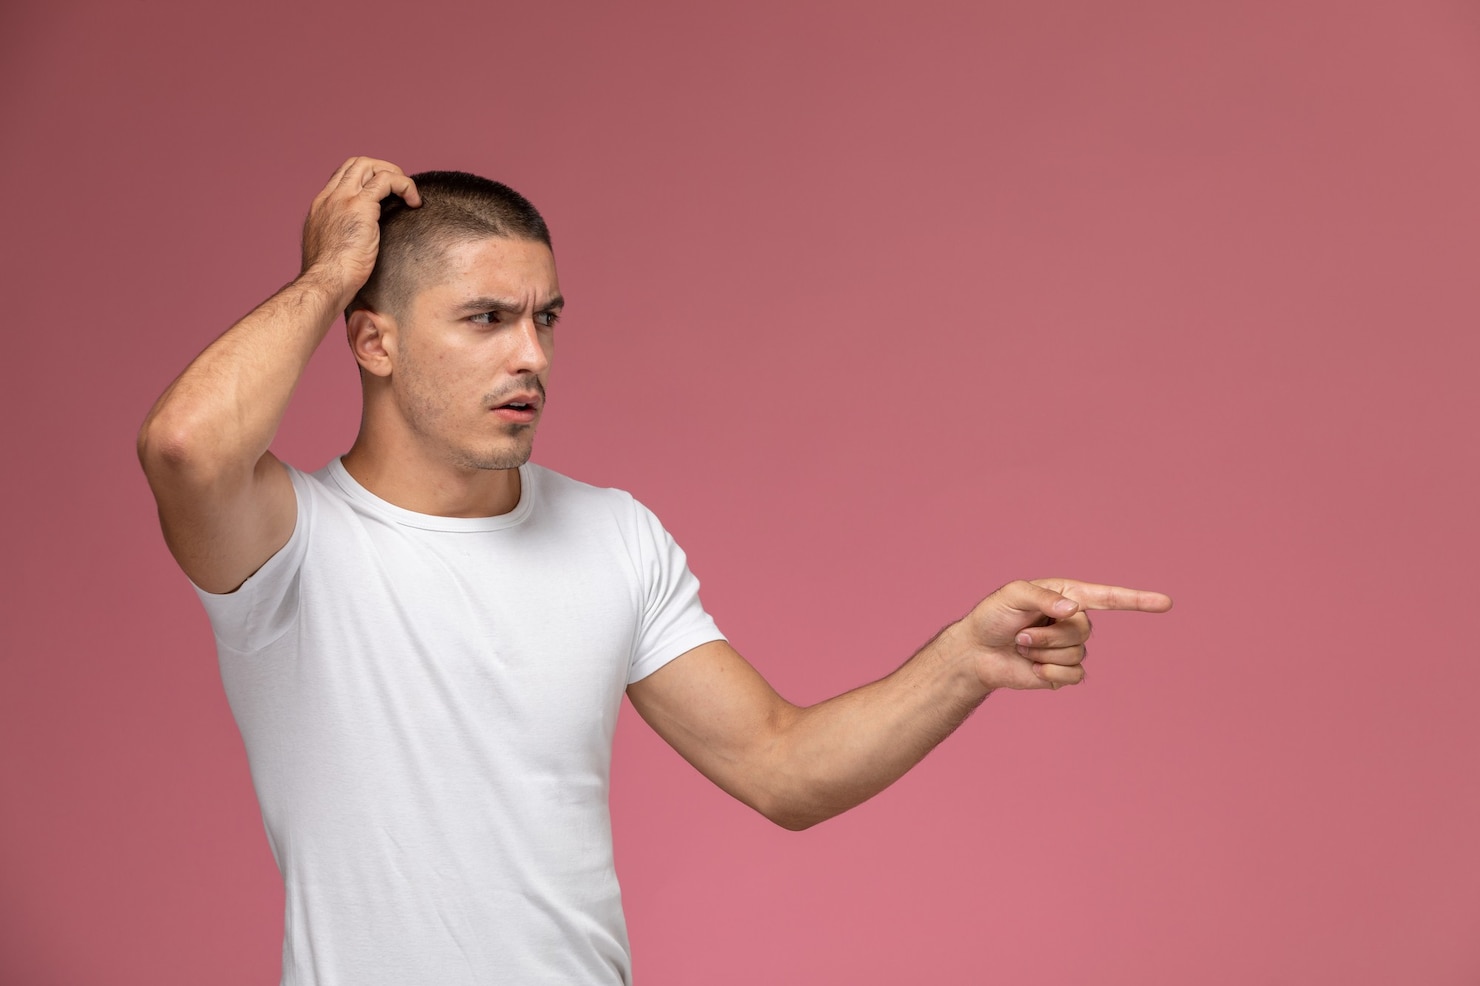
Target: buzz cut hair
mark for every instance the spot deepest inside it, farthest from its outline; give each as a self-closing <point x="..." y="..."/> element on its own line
<point x="455" y="207"/>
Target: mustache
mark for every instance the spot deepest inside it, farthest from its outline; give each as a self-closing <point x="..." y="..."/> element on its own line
<point x="505" y="394"/>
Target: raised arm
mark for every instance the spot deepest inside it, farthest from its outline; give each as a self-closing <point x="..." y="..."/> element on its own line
<point x="225" y="502"/>
<point x="799" y="766"/>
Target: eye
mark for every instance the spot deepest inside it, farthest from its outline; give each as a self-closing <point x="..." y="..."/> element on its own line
<point x="485" y="318"/>
<point x="547" y="319"/>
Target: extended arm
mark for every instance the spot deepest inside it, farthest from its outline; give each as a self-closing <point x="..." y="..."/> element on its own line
<point x="799" y="766"/>
<point x="225" y="503"/>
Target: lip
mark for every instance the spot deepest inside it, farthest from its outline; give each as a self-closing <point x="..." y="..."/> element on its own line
<point x="514" y="416"/>
<point x="530" y="398"/>
<point x="523" y="416"/>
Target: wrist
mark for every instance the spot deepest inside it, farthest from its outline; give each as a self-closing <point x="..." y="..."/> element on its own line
<point x="327" y="285"/>
<point x="955" y="654"/>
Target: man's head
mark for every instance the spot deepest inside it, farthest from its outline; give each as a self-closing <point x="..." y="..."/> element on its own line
<point x="454" y="329"/>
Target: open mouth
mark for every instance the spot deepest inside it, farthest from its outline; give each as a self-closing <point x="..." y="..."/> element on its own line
<point x="520" y="411"/>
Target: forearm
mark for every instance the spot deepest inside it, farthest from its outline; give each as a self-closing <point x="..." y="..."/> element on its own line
<point x="837" y="754"/>
<point x="220" y="415"/>
<point x="799" y="766"/>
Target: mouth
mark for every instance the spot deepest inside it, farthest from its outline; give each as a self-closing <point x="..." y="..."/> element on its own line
<point x="522" y="410"/>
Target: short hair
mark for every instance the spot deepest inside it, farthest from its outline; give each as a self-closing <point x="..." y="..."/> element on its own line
<point x="455" y="207"/>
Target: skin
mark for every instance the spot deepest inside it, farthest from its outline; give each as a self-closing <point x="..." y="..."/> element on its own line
<point x="476" y="337"/>
<point x="433" y="440"/>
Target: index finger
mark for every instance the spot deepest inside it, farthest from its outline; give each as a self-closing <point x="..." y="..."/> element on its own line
<point x="1092" y="595"/>
<point x="361" y="174"/>
<point x="383" y="183"/>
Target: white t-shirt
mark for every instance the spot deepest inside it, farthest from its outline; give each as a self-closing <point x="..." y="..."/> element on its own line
<point x="428" y="706"/>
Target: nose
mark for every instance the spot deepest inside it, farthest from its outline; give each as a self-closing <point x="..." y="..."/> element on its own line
<point x="530" y="354"/>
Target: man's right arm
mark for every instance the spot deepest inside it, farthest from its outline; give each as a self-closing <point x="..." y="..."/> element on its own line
<point x="225" y="502"/>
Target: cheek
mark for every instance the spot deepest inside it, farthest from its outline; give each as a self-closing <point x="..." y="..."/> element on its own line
<point x="430" y="386"/>
<point x="448" y="373"/>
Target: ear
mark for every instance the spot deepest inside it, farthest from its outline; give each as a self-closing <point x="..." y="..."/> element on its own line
<point x="372" y="338"/>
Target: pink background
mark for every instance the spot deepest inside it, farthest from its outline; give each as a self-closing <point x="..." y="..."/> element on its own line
<point x="878" y="305"/>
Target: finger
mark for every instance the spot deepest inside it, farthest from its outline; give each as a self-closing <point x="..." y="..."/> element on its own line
<point x="359" y="169"/>
<point x="335" y="180"/>
<point x="1092" y="595"/>
<point x="384" y="183"/>
<point x="1056" y="676"/>
<point x="350" y="177"/>
<point x="340" y="171"/>
<point x="376" y="164"/>
<point x="1063" y="656"/>
<point x="1065" y="633"/>
<point x="1035" y="600"/>
<point x="359" y="173"/>
<point x="354" y="174"/>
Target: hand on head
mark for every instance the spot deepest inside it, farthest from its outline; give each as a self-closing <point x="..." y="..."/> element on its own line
<point x="341" y="236"/>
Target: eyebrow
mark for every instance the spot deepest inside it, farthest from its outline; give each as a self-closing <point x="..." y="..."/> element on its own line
<point x="474" y="306"/>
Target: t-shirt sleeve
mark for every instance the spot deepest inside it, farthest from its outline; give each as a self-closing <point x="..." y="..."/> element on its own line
<point x="673" y="620"/>
<point x="264" y="606"/>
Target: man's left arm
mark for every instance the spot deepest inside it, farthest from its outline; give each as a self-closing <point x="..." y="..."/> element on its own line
<point x="800" y="766"/>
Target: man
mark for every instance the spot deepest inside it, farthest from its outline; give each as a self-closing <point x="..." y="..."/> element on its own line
<point x="425" y="644"/>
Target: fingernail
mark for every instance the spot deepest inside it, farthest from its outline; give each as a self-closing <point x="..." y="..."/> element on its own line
<point x="1025" y="638"/>
<point x="1038" y="670"/>
<point x="1064" y="606"/>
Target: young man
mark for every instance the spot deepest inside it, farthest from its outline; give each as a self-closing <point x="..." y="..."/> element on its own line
<point x="425" y="644"/>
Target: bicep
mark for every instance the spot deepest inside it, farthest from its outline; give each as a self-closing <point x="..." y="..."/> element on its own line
<point x="222" y="530"/>
<point x="717" y="711"/>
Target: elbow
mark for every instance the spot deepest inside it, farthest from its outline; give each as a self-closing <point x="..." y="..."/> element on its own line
<point x="176" y="456"/>
<point x="791" y="821"/>
<point x="791" y="792"/>
<point x="159" y="446"/>
<point x="174" y="442"/>
<point x="796" y="815"/>
<point x="167" y="447"/>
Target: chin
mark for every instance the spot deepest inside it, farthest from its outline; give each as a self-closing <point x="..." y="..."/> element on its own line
<point x="504" y="458"/>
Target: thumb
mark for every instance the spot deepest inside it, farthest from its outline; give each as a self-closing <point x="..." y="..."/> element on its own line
<point x="1016" y="606"/>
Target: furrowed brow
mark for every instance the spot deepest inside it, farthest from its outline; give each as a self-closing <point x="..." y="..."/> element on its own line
<point x="474" y="306"/>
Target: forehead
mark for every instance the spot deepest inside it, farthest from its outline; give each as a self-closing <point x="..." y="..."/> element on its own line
<point x="499" y="267"/>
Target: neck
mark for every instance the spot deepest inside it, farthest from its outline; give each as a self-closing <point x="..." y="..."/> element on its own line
<point x="413" y="480"/>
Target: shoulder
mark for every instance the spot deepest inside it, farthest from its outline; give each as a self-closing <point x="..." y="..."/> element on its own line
<point x="318" y="485"/>
<point x="583" y="505"/>
<point x="561" y="491"/>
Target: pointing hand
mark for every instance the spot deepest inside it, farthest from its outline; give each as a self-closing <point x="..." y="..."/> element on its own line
<point x="1032" y="634"/>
